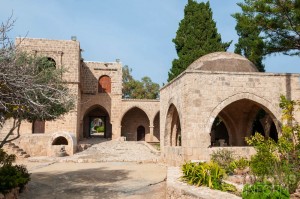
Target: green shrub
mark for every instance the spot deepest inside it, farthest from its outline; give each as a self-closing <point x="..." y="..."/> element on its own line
<point x="279" y="161"/>
<point x="241" y="163"/>
<point x="223" y="158"/>
<point x="264" y="190"/>
<point x="206" y="174"/>
<point x="11" y="176"/>
<point x="99" y="129"/>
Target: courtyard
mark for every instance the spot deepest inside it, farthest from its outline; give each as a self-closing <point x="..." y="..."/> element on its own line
<point x="107" y="169"/>
<point x="95" y="180"/>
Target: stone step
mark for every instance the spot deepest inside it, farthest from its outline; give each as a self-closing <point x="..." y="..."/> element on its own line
<point x="12" y="148"/>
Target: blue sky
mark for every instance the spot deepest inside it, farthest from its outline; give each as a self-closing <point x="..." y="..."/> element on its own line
<point x="139" y="32"/>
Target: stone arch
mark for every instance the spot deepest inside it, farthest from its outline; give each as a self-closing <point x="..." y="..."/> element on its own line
<point x="70" y="147"/>
<point x="95" y="112"/>
<point x="104" y="84"/>
<point x="173" y="127"/>
<point x="132" y="107"/>
<point x="131" y="120"/>
<point x="60" y="141"/>
<point x="253" y="104"/>
<point x="156" y="127"/>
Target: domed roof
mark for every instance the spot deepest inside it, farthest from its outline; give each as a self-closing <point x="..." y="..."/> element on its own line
<point x="223" y="61"/>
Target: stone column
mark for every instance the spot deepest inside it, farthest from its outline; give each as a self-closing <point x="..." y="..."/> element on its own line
<point x="151" y="132"/>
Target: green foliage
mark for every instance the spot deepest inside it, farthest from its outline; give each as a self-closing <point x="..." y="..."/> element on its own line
<point x="134" y="89"/>
<point x="279" y="161"/>
<point x="6" y="159"/>
<point x="196" y="36"/>
<point x="264" y="190"/>
<point x="223" y="158"/>
<point x="31" y="87"/>
<point x="241" y="164"/>
<point x="11" y="176"/>
<point x="275" y="22"/>
<point x="262" y="163"/>
<point x="99" y="129"/>
<point x="250" y="43"/>
<point x="206" y="174"/>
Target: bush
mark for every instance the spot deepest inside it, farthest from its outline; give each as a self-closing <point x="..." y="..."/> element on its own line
<point x="241" y="164"/>
<point x="264" y="190"/>
<point x="223" y="158"/>
<point x="11" y="176"/>
<point x="206" y="174"/>
<point x="279" y="161"/>
<point x="99" y="129"/>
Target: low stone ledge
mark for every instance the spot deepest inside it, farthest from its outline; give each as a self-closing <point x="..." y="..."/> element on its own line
<point x="180" y="190"/>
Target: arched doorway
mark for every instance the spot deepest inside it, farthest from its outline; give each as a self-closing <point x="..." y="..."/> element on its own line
<point x="241" y="119"/>
<point x="96" y="123"/>
<point x="141" y="133"/>
<point x="173" y="127"/>
<point x="132" y="123"/>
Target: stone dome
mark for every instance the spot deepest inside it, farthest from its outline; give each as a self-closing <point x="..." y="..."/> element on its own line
<point x="223" y="61"/>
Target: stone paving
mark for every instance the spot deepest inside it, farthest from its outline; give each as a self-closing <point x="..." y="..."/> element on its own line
<point x="110" y="151"/>
<point x="108" y="169"/>
<point x="124" y="180"/>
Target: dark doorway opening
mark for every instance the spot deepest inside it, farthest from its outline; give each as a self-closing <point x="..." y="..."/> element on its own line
<point x="141" y="133"/>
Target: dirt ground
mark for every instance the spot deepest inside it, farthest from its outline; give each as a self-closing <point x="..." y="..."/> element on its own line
<point x="95" y="180"/>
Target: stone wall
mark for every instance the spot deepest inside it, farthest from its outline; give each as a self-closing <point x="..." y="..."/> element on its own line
<point x="66" y="54"/>
<point x="199" y="96"/>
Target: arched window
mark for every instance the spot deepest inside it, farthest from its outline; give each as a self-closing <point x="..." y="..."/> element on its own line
<point x="104" y="84"/>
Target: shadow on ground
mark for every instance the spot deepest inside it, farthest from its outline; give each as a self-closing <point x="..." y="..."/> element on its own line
<point x="86" y="183"/>
<point x="96" y="180"/>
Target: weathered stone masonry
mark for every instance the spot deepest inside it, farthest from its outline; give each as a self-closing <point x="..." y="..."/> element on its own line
<point x="91" y="101"/>
<point x="218" y="101"/>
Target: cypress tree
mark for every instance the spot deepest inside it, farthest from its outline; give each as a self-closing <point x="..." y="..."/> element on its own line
<point x="196" y="36"/>
<point x="250" y="43"/>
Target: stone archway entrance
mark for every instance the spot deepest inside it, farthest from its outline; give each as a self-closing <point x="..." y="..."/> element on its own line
<point x="239" y="120"/>
<point x="96" y="123"/>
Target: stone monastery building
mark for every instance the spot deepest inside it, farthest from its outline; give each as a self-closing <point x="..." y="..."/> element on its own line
<point x="216" y="102"/>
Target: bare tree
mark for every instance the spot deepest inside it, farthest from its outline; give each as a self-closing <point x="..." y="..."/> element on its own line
<point x="31" y="87"/>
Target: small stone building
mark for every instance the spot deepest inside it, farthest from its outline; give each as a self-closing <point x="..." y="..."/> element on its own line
<point x="99" y="107"/>
<point x="216" y="102"/>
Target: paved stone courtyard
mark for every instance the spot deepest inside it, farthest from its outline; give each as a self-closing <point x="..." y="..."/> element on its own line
<point x="110" y="151"/>
<point x="111" y="169"/>
<point x="95" y="180"/>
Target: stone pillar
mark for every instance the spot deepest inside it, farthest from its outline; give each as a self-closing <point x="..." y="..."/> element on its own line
<point x="151" y="132"/>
